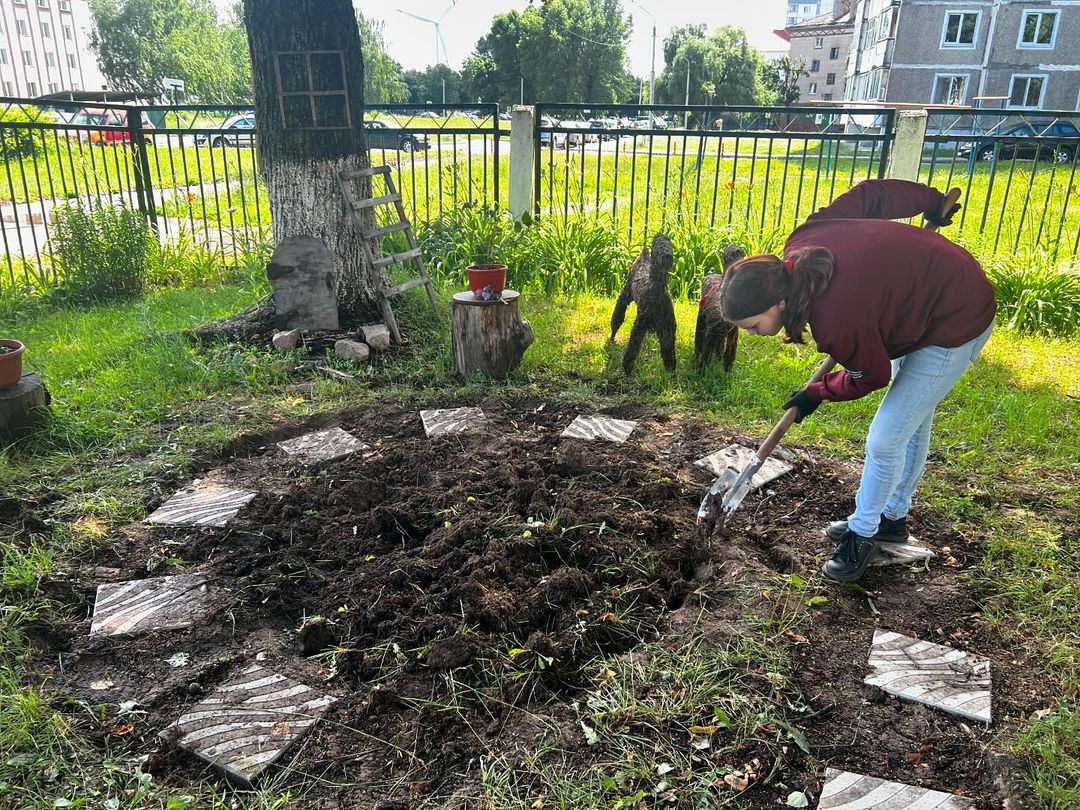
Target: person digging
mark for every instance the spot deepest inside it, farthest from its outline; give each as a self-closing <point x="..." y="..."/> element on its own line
<point x="887" y="300"/>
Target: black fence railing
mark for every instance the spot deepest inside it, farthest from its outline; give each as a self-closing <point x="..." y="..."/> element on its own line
<point x="1017" y="170"/>
<point x="760" y="168"/>
<point x="193" y="170"/>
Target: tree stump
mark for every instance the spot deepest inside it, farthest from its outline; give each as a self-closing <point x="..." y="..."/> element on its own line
<point x="21" y="406"/>
<point x="488" y="336"/>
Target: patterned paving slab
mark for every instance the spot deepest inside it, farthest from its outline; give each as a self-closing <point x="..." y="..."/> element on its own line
<point x="324" y="445"/>
<point x="201" y="505"/>
<point x="931" y="674"/>
<point x="737" y="456"/>
<point x="901" y="553"/>
<point x="599" y="427"/>
<point x="161" y="603"/>
<point x="853" y="791"/>
<point x="450" y="420"/>
<point x="247" y="724"/>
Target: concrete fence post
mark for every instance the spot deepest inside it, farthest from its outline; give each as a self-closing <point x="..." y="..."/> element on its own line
<point x="521" y="160"/>
<point x="908" y="146"/>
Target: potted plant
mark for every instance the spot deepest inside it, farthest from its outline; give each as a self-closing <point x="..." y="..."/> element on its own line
<point x="10" y="362"/>
<point x="488" y="242"/>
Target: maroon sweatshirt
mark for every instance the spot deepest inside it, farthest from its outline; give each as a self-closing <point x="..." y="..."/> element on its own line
<point x="896" y="288"/>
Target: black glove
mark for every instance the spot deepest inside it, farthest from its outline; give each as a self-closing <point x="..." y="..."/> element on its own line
<point x="937" y="220"/>
<point x="802" y="401"/>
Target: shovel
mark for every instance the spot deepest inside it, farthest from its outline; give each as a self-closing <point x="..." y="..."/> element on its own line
<point x="728" y="491"/>
<point x="732" y="485"/>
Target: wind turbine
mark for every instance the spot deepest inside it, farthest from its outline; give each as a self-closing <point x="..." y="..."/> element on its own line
<point x="439" y="41"/>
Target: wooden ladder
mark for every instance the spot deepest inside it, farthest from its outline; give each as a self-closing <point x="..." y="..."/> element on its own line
<point x="356" y="206"/>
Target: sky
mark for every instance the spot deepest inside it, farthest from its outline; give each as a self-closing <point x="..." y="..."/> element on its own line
<point x="412" y="43"/>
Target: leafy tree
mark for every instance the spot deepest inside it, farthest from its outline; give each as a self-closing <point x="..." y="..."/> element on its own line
<point x="780" y="81"/>
<point x="140" y="42"/>
<point x="723" y="67"/>
<point x="384" y="81"/>
<point x="427" y="85"/>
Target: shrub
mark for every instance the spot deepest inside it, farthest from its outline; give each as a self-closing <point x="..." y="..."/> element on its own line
<point x="1034" y="294"/>
<point x="103" y="254"/>
<point x="22" y="142"/>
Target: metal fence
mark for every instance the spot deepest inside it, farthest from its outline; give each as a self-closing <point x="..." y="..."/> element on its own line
<point x="759" y="168"/>
<point x="1017" y="171"/>
<point x="193" y="170"/>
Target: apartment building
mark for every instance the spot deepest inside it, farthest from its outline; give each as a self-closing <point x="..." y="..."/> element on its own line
<point x="821" y="45"/>
<point x="800" y="12"/>
<point x="989" y="53"/>
<point x="44" y="48"/>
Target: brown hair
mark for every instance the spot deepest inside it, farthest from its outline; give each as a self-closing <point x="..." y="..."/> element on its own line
<point x="752" y="285"/>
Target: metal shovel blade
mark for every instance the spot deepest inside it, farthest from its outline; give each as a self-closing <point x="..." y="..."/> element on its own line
<point x="710" y="504"/>
<point x="739" y="488"/>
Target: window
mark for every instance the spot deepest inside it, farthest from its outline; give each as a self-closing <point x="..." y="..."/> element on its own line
<point x="830" y="78"/>
<point x="9" y="89"/>
<point x="311" y="89"/>
<point x="885" y="24"/>
<point x="31" y="88"/>
<point x="50" y="59"/>
<point x="819" y="42"/>
<point x="1026" y="90"/>
<point x="28" y="58"/>
<point x="43" y="3"/>
<point x="1038" y="29"/>
<point x="815" y="65"/>
<point x="71" y="60"/>
<point x="22" y="27"/>
<point x="949" y="89"/>
<point x="960" y="30"/>
<point x="68" y="35"/>
<point x="65" y="5"/>
<point x="813" y="88"/>
<point x="834" y="53"/>
<point x="3" y="56"/>
<point x="46" y="31"/>
<point x="54" y="87"/>
<point x="827" y="97"/>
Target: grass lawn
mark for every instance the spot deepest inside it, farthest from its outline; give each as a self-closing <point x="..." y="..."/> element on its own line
<point x="134" y="403"/>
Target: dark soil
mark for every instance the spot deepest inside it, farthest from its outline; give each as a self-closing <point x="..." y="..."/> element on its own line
<point x="380" y="576"/>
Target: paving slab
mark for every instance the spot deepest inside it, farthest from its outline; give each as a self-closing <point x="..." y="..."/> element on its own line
<point x="201" y="504"/>
<point x="323" y="445"/>
<point x="160" y="603"/>
<point x="901" y="553"/>
<point x="932" y="674"/>
<point x="247" y="724"/>
<point x="853" y="791"/>
<point x="445" y="421"/>
<point x="606" y="428"/>
<point x="737" y="456"/>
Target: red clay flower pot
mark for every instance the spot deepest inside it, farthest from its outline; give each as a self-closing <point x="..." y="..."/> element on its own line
<point x="487" y="275"/>
<point x="11" y="363"/>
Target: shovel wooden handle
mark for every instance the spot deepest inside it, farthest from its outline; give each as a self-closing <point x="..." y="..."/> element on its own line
<point x="792" y="414"/>
<point x="948" y="206"/>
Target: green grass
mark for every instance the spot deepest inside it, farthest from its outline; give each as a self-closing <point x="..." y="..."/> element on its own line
<point x="134" y="401"/>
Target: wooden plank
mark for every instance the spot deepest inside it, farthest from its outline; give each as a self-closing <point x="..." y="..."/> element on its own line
<point x="369" y="172"/>
<point x="397" y="226"/>
<point x="389" y="292"/>
<point x="397" y="258"/>
<point x="370" y="202"/>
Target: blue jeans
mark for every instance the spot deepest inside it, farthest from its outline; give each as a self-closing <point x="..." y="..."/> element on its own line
<point x="899" y="438"/>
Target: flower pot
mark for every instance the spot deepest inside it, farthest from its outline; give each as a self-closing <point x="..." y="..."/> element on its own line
<point x="11" y="363"/>
<point x="487" y="275"/>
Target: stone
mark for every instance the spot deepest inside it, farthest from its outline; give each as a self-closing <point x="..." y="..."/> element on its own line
<point x="352" y="350"/>
<point x="247" y="724"/>
<point x="301" y="272"/>
<point x="901" y="554"/>
<point x="201" y="504"/>
<point x="286" y="341"/>
<point x="853" y="791"/>
<point x="599" y="427"/>
<point x="324" y="445"/>
<point x="160" y="603"/>
<point x="931" y="674"/>
<point x="377" y="336"/>
<point x="450" y="420"/>
<point x="737" y="457"/>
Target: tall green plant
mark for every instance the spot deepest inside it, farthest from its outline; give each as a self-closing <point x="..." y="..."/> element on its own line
<point x="21" y="142"/>
<point x="1034" y="294"/>
<point x="103" y="254"/>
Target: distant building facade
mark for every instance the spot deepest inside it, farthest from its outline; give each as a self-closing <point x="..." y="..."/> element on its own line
<point x="45" y="48"/>
<point x="821" y="45"/>
<point x="964" y="53"/>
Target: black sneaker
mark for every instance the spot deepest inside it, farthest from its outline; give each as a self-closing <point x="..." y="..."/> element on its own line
<point x="889" y="531"/>
<point x="848" y="562"/>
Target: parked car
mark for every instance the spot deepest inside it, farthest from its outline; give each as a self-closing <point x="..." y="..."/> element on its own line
<point x="105" y="117"/>
<point x="577" y="138"/>
<point x="239" y="130"/>
<point x="645" y="122"/>
<point x="602" y="124"/>
<point x="1052" y="140"/>
<point x="388" y="135"/>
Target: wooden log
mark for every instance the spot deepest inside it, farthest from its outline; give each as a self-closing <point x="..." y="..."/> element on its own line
<point x="488" y="336"/>
<point x="21" y="406"/>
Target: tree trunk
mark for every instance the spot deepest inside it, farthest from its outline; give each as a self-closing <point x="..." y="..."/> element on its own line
<point x="488" y="336"/>
<point x="306" y="138"/>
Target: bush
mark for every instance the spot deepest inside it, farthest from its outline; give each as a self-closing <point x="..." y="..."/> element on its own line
<point x="22" y="142"/>
<point x="103" y="254"/>
<point x="1036" y="295"/>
